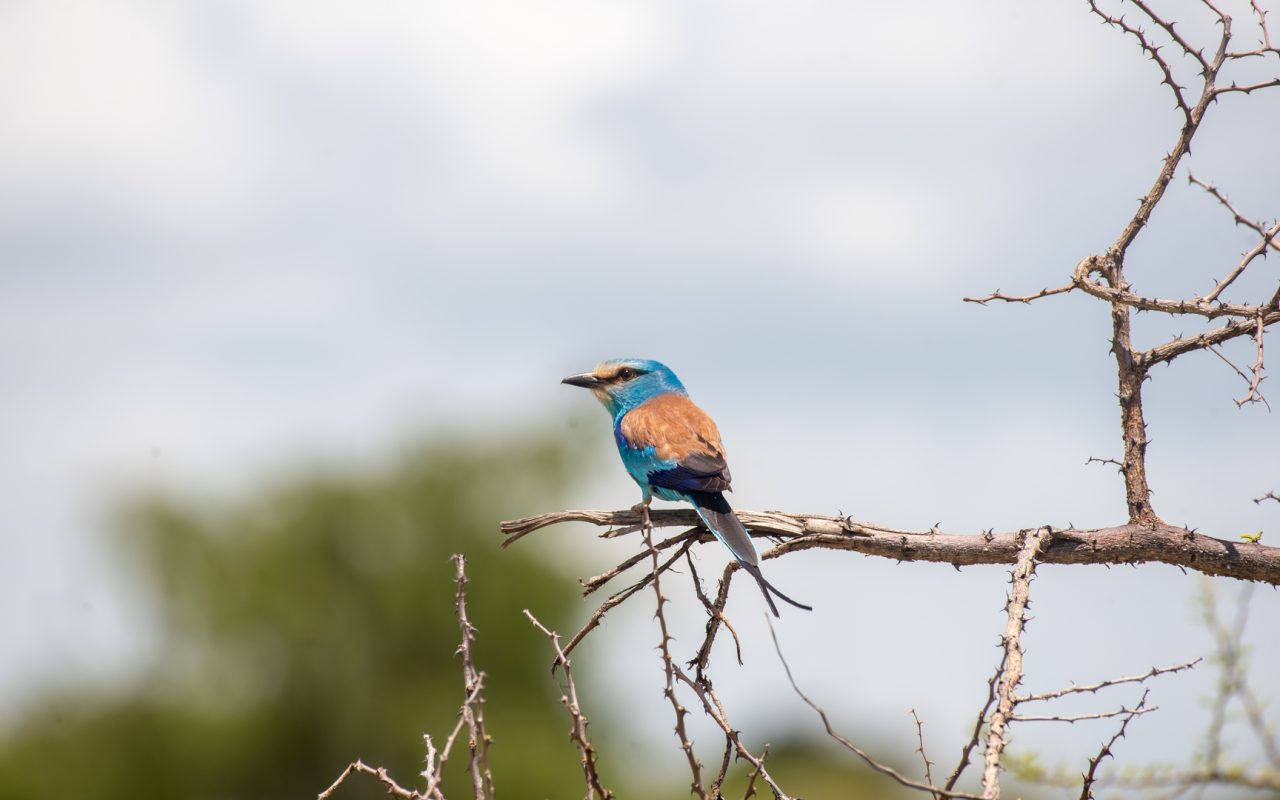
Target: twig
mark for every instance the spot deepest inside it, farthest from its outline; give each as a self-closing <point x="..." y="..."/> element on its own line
<point x="1074" y="718"/>
<point x="1253" y="395"/>
<point x="928" y="765"/>
<point x="394" y="789"/>
<point x="715" y="709"/>
<point x="715" y="611"/>
<point x="969" y="747"/>
<point x="470" y="714"/>
<point x="592" y="584"/>
<point x="578" y="728"/>
<point x="755" y="773"/>
<point x="473" y="707"/>
<point x="1011" y="675"/>
<point x="1237" y="370"/>
<point x="883" y="769"/>
<point x="669" y="670"/>
<point x="1009" y="298"/>
<point x="617" y="598"/>
<point x="1086" y="790"/>
<point x="715" y="616"/>
<point x="1093" y="688"/>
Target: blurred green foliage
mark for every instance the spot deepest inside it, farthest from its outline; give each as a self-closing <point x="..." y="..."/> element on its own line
<point x="311" y="622"/>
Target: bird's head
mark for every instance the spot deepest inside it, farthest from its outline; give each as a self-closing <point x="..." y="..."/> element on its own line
<point x="621" y="384"/>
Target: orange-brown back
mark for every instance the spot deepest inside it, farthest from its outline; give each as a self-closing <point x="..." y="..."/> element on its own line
<point x="673" y="426"/>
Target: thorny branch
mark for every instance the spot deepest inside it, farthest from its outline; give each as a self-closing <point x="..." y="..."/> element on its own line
<point x="669" y="670"/>
<point x="1122" y="544"/>
<point x="1090" y="775"/>
<point x="578" y="729"/>
<point x="1011" y="660"/>
<point x="470" y="714"/>
<point x="473" y="707"/>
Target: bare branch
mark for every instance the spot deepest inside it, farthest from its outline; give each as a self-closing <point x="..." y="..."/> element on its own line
<point x="1090" y="776"/>
<point x="1256" y="379"/>
<point x="715" y="710"/>
<point x="1126" y="297"/>
<point x="578" y="729"/>
<point x="618" y="597"/>
<point x="1122" y="711"/>
<point x="473" y="706"/>
<point x="1008" y="298"/>
<point x="1269" y="238"/>
<point x="1093" y="688"/>
<point x="1239" y="372"/>
<point x="972" y="744"/>
<point x="715" y="611"/>
<point x="883" y="769"/>
<point x="928" y="765"/>
<point x="1123" y="544"/>
<point x="394" y="789"/>
<point x="714" y="618"/>
<point x="1153" y="52"/>
<point x="1011" y="672"/>
<point x="592" y="584"/>
<point x="1232" y="330"/>
<point x="669" y="669"/>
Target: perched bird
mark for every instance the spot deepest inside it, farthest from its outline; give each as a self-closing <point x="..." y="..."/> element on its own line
<point x="672" y="449"/>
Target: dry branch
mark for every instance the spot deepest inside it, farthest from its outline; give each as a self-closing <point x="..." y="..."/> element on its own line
<point x="578" y="729"/>
<point x="1122" y="544"/>
<point x="1011" y="660"/>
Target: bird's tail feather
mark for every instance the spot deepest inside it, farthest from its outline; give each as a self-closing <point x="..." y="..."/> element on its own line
<point x="715" y="511"/>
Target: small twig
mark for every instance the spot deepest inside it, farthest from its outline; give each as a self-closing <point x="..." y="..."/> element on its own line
<point x="592" y="584"/>
<point x="883" y="769"/>
<point x="394" y="789"/>
<point x="1074" y="718"/>
<point x="1020" y="578"/>
<point x="578" y="728"/>
<point x="1086" y="790"/>
<point x="969" y="747"/>
<point x="714" y="610"/>
<point x="715" y="617"/>
<point x="928" y="765"/>
<point x="715" y="709"/>
<point x="755" y="773"/>
<point x="1095" y="460"/>
<point x="1009" y="298"/>
<point x="473" y="706"/>
<point x="617" y="598"/>
<point x="1093" y="688"/>
<point x="1253" y="395"/>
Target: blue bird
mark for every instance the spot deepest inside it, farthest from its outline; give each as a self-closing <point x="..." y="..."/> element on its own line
<point x="672" y="449"/>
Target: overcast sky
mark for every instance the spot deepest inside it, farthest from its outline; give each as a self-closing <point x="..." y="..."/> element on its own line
<point x="238" y="235"/>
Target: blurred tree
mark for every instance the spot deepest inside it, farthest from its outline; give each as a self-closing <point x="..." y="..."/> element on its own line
<point x="312" y="623"/>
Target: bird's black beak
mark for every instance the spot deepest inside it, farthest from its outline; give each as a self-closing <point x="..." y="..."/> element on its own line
<point x="586" y="380"/>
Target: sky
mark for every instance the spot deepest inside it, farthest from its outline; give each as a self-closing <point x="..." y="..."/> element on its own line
<point x="239" y="236"/>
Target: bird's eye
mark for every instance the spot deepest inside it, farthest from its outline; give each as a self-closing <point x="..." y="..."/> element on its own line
<point x="626" y="373"/>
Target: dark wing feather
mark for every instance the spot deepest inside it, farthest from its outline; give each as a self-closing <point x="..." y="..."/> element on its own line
<point x="696" y="472"/>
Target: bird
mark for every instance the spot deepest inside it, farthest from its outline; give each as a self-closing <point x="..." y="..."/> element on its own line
<point x="672" y="449"/>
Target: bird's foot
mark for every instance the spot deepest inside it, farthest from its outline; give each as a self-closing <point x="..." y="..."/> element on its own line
<point x="643" y="510"/>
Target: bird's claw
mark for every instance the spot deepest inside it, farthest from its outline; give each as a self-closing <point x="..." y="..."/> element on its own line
<point x="643" y="510"/>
